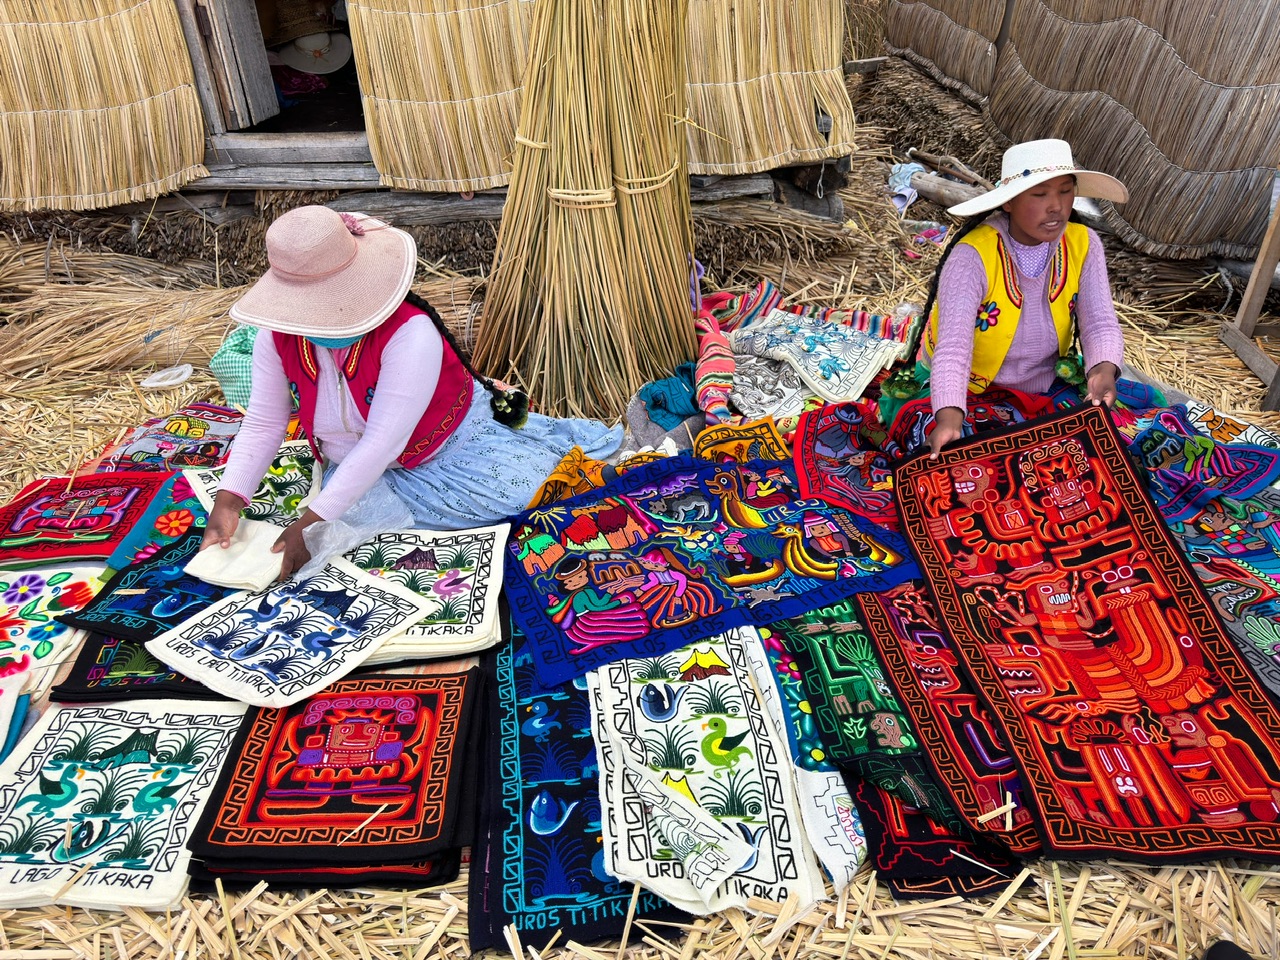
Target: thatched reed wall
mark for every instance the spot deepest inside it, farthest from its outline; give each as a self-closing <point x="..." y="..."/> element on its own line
<point x="954" y="41"/>
<point x="766" y="84"/>
<point x="440" y="83"/>
<point x="1178" y="98"/>
<point x="98" y="104"/>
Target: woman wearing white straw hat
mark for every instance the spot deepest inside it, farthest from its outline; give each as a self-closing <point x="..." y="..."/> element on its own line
<point x="1016" y="287"/>
<point x="383" y="391"/>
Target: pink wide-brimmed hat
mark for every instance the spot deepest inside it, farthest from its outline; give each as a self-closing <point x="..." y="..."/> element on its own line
<point x="331" y="275"/>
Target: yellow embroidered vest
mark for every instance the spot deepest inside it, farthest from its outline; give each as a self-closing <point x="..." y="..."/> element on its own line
<point x="997" y="319"/>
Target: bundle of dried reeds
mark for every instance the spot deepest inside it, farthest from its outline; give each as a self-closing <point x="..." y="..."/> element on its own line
<point x="31" y="264"/>
<point x="565" y="315"/>
<point x="646" y="52"/>
<point x="98" y="104"/>
<point x="440" y="85"/>
<point x="766" y="84"/>
<point x="954" y="41"/>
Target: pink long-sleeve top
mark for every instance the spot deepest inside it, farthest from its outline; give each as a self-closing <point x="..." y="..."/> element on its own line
<point x="363" y="450"/>
<point x="1029" y="364"/>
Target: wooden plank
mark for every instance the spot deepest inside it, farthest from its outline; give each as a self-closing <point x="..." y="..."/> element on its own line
<point x="241" y="58"/>
<point x="1263" y="367"/>
<point x="1260" y="277"/>
<point x="418" y="209"/>
<point x="289" y="148"/>
<point x="869" y="65"/>
<point x="305" y="176"/>
<point x="206" y="89"/>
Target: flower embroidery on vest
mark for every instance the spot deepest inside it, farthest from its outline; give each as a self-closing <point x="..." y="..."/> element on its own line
<point x="987" y="316"/>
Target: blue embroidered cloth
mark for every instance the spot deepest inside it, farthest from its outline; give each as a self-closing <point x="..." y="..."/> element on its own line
<point x="680" y="550"/>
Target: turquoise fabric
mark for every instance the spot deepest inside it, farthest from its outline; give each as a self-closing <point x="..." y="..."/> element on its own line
<point x="334" y="343"/>
<point x="672" y="401"/>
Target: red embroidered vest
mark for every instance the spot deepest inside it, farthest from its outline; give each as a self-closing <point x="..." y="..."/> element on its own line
<point x="448" y="406"/>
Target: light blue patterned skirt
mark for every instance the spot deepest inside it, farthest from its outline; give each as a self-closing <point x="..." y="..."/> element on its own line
<point x="486" y="472"/>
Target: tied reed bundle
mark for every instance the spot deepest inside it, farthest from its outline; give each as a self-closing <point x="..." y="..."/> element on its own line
<point x="566" y="315"/>
<point x="766" y="85"/>
<point x="440" y="87"/>
<point x="98" y="104"/>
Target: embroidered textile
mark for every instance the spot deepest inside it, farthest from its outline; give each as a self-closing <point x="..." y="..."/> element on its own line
<point x="109" y="668"/>
<point x="836" y="361"/>
<point x="830" y="819"/>
<point x="173" y="511"/>
<point x="458" y="574"/>
<point x="432" y="872"/>
<point x="693" y="780"/>
<point x="967" y="755"/>
<point x="837" y="459"/>
<point x="729" y="442"/>
<point x="370" y="771"/>
<point x="767" y="388"/>
<point x="919" y="859"/>
<point x="995" y="407"/>
<point x="679" y="550"/>
<point x="276" y="647"/>
<point x="144" y="600"/>
<point x="292" y="481"/>
<point x="197" y="435"/>
<point x="538" y="862"/>
<point x="1222" y="428"/>
<point x="32" y="604"/>
<point x="96" y="802"/>
<point x="859" y="723"/>
<point x="1090" y="638"/>
<point x="60" y="520"/>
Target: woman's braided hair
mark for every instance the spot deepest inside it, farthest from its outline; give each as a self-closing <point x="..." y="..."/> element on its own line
<point x="510" y="404"/>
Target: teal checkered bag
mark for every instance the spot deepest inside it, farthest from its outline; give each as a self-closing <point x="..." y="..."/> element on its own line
<point x="233" y="365"/>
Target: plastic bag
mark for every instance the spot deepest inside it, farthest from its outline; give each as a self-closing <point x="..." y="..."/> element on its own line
<point x="378" y="511"/>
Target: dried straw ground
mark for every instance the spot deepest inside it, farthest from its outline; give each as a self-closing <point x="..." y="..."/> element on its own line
<point x="57" y="409"/>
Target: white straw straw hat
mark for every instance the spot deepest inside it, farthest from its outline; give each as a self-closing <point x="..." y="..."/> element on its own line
<point x="1027" y="164"/>
<point x="331" y="274"/>
<point x="317" y="52"/>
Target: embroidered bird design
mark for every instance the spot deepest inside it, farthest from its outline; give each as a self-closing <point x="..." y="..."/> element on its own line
<point x="54" y="793"/>
<point x="660" y="705"/>
<point x="725" y="485"/>
<point x="451" y="584"/>
<point x="543" y="721"/>
<point x="157" y="797"/>
<point x="547" y="814"/>
<point x="720" y="750"/>
<point x="797" y="557"/>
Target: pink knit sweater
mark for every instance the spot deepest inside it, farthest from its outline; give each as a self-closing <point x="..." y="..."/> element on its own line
<point x="1029" y="364"/>
<point x="364" y="450"/>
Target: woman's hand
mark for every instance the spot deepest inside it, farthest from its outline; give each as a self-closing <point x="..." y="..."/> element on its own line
<point x="223" y="520"/>
<point x="948" y="427"/>
<point x="1102" y="383"/>
<point x="293" y="546"/>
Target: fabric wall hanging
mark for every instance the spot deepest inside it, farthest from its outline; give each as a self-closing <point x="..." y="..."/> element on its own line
<point x="837" y="459"/>
<point x="197" y="435"/>
<point x="729" y="442"/>
<point x="1081" y="624"/>
<point x="152" y="596"/>
<point x="371" y="772"/>
<point x="966" y="752"/>
<point x="60" y="519"/>
<point x="767" y="388"/>
<point x="32" y="634"/>
<point x="836" y="362"/>
<point x="279" y="646"/>
<point x="458" y="574"/>
<point x="292" y="480"/>
<point x="830" y="818"/>
<point x="109" y="668"/>
<point x="432" y="872"/>
<point x="694" y="775"/>
<point x="96" y="802"/>
<point x="88" y="122"/>
<point x="174" y="510"/>
<point x="679" y="550"/>
<point x="862" y="726"/>
<point x="1222" y="428"/>
<point x="537" y="861"/>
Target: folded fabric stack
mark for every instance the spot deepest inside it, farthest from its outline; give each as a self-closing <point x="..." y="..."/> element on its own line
<point x="458" y="574"/>
<point x="366" y="783"/>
